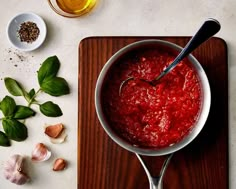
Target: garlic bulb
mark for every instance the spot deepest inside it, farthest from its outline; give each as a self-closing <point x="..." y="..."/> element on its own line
<point x="14" y="170"/>
<point x="40" y="153"/>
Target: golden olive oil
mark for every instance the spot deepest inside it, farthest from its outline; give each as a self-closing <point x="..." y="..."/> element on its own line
<point x="76" y="6"/>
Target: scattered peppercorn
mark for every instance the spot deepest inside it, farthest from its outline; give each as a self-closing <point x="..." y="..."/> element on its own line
<point x="28" y="32"/>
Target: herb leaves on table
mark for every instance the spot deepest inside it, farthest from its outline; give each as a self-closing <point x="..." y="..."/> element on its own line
<point x="13" y="128"/>
<point x="49" y="83"/>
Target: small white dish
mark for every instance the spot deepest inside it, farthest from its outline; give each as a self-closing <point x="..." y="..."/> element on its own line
<point x="14" y="26"/>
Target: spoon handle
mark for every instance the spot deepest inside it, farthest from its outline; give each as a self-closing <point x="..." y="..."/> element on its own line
<point x="209" y="28"/>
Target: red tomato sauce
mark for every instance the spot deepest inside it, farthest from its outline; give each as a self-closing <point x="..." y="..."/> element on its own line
<point x="152" y="116"/>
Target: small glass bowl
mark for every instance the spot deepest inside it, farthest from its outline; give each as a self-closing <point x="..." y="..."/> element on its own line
<point x="53" y="4"/>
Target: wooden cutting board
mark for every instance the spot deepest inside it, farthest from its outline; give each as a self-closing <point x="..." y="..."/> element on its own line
<point x="102" y="164"/>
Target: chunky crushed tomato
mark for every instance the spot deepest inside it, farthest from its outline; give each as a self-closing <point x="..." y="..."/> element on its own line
<point x="146" y="115"/>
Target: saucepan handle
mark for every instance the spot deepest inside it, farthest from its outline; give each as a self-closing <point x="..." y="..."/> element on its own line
<point x="155" y="182"/>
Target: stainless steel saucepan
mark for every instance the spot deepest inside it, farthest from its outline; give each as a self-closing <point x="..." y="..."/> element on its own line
<point x="155" y="183"/>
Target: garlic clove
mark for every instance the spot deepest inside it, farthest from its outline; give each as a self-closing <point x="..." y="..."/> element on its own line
<point x="54" y="131"/>
<point x="60" y="139"/>
<point x="59" y="164"/>
<point x="40" y="153"/>
<point x="14" y="170"/>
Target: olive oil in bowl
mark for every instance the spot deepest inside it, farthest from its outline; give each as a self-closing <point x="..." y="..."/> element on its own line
<point x="72" y="8"/>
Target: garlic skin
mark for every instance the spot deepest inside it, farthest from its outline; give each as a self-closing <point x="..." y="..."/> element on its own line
<point x="14" y="170"/>
<point x="40" y="153"/>
<point x="59" y="164"/>
<point x="60" y="139"/>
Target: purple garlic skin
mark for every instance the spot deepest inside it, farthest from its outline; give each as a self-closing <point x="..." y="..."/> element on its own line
<point x="40" y="153"/>
<point x="13" y="170"/>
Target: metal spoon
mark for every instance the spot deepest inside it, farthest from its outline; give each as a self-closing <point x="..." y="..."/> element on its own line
<point x="209" y="28"/>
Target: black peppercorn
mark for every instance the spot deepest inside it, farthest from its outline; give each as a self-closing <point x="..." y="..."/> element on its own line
<point x="28" y="32"/>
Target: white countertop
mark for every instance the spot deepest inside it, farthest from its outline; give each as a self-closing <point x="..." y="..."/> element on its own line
<point x="108" y="18"/>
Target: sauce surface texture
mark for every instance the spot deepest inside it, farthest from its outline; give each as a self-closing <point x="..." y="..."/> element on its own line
<point x="152" y="116"/>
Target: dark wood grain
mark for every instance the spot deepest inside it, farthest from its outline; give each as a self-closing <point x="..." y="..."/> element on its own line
<point x="102" y="164"/>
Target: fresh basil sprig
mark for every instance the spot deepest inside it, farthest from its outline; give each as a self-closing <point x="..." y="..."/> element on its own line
<point x="12" y="127"/>
<point x="49" y="83"/>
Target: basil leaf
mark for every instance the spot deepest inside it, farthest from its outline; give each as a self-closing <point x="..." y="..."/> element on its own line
<point x="23" y="112"/>
<point x="8" y="106"/>
<point x="14" y="129"/>
<point x="13" y="87"/>
<point x="31" y="93"/>
<point x="49" y="69"/>
<point x="4" y="140"/>
<point x="50" y="109"/>
<point x="56" y="87"/>
<point x="28" y="96"/>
